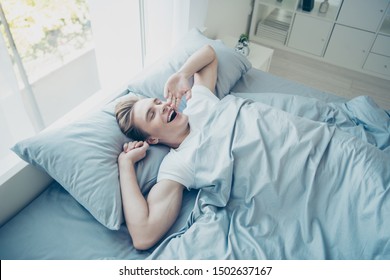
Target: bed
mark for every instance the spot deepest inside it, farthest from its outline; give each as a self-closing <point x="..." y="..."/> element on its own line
<point x="298" y="174"/>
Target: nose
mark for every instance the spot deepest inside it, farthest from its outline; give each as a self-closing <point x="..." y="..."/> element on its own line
<point x="164" y="107"/>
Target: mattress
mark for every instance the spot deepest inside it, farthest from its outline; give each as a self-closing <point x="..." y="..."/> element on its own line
<point x="56" y="226"/>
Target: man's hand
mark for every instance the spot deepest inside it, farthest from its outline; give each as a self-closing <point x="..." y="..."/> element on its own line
<point x="202" y="65"/>
<point x="133" y="152"/>
<point x="175" y="88"/>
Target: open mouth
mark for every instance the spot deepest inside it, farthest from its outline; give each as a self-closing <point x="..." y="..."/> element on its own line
<point x="172" y="115"/>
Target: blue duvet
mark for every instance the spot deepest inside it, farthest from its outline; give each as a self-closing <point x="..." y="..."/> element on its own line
<point x="290" y="179"/>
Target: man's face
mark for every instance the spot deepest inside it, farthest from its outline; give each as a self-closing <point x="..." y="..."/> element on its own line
<point x="159" y="120"/>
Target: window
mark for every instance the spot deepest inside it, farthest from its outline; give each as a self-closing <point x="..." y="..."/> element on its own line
<point x="55" y="54"/>
<point x="48" y="33"/>
<point x="44" y="38"/>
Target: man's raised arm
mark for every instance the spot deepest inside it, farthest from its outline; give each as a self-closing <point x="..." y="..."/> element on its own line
<point x="202" y="64"/>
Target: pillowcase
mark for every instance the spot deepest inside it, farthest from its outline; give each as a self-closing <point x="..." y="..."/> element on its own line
<point x="82" y="157"/>
<point x="231" y="66"/>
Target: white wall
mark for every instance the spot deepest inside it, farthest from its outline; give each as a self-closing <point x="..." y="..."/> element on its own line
<point x="17" y="191"/>
<point x="228" y="17"/>
<point x="14" y="121"/>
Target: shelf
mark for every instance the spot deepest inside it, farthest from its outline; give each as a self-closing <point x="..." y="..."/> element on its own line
<point x="289" y="5"/>
<point x="330" y="15"/>
<point x="275" y="26"/>
<point x="283" y="24"/>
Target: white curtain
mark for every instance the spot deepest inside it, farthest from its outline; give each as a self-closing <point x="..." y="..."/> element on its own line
<point x="116" y="35"/>
<point x="118" y="28"/>
<point x="166" y="21"/>
<point x="14" y="122"/>
<point x="187" y="15"/>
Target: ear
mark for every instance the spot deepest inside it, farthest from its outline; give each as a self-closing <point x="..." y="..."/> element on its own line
<point x="152" y="141"/>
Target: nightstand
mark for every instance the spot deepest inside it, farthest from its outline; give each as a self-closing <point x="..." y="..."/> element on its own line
<point x="259" y="56"/>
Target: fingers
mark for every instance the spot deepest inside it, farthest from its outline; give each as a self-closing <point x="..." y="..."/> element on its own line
<point x="145" y="145"/>
<point x="166" y="92"/>
<point x="133" y="145"/>
<point x="188" y="95"/>
<point x="175" y="100"/>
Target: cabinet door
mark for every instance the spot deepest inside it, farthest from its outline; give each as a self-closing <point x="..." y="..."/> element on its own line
<point x="382" y="45"/>
<point x="364" y="14"/>
<point x="348" y="46"/>
<point x="309" y="34"/>
<point x="378" y="63"/>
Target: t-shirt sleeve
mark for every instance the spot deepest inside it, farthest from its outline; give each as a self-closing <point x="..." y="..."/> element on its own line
<point x="171" y="168"/>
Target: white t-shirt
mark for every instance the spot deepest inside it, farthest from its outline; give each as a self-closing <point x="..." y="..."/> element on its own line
<point x="178" y="164"/>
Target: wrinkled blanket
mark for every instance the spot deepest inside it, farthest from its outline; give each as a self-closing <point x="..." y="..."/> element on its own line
<point x="299" y="181"/>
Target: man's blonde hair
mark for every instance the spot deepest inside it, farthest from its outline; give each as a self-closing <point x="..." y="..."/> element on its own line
<point x="124" y="117"/>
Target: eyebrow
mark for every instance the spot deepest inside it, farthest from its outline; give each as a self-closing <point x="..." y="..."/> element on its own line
<point x="148" y="111"/>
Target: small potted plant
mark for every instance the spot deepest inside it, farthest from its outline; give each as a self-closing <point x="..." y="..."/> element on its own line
<point x="242" y="45"/>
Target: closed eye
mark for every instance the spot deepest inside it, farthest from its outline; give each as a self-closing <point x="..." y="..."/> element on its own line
<point x="151" y="112"/>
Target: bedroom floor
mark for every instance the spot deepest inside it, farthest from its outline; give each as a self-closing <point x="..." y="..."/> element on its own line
<point x="330" y="78"/>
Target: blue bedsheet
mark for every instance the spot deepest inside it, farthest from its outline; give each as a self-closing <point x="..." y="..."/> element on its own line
<point x="295" y="180"/>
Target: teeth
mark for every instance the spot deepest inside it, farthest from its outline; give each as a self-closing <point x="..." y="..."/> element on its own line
<point x="170" y="116"/>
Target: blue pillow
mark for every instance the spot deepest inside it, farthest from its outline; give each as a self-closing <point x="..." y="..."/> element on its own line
<point x="82" y="157"/>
